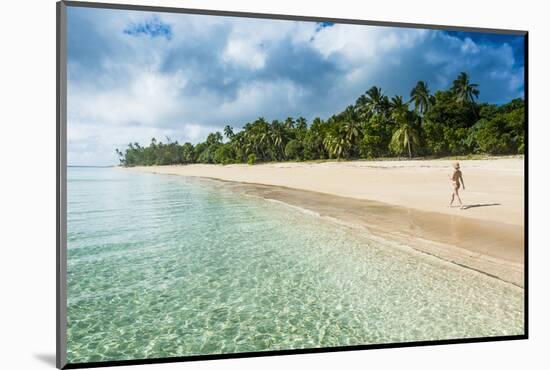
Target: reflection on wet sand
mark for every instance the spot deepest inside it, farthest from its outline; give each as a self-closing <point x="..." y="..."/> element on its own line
<point x="490" y="247"/>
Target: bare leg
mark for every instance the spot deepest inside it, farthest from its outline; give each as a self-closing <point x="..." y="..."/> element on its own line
<point x="452" y="199"/>
<point x="457" y="196"/>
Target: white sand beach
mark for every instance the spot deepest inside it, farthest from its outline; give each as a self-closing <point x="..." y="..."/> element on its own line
<point x="486" y="236"/>
<point x="494" y="188"/>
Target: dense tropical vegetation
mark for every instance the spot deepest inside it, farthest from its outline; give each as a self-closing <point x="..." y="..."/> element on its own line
<point x="448" y="122"/>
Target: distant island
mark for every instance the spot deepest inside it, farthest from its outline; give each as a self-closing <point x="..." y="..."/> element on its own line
<point x="446" y="123"/>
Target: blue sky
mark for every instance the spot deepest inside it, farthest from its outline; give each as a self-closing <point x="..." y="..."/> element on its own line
<point x="133" y="75"/>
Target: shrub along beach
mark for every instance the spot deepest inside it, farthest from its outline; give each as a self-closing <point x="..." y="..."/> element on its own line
<point x="449" y="122"/>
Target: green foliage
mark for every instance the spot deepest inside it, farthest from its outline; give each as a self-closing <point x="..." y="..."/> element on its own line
<point x="490" y="137"/>
<point x="224" y="154"/>
<point x="487" y="111"/>
<point x="521" y="148"/>
<point x="251" y="159"/>
<point x="513" y="105"/>
<point x="405" y="140"/>
<point x="377" y="134"/>
<point x="456" y="140"/>
<point x="450" y="112"/>
<point x="463" y="91"/>
<point x="205" y="153"/>
<point x="187" y="153"/>
<point x="294" y="150"/>
<point x="420" y="96"/>
<point x="448" y="123"/>
<point x="313" y="141"/>
<point x="441" y="140"/>
<point x="337" y="142"/>
<point x="434" y="136"/>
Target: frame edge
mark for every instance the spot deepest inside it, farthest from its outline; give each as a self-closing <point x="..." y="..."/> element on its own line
<point x="61" y="194"/>
<point x="290" y="17"/>
<point x="61" y="177"/>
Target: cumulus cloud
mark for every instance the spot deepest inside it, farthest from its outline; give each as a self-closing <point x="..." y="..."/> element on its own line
<point x="244" y="54"/>
<point x="136" y="75"/>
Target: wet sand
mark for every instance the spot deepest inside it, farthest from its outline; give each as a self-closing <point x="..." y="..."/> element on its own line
<point x="477" y="240"/>
<point x="492" y="248"/>
<point x="494" y="188"/>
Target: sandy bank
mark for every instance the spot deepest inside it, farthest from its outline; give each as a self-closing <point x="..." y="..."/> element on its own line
<point x="404" y="200"/>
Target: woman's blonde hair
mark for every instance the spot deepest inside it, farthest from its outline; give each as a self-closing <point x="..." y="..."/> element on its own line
<point x="456" y="165"/>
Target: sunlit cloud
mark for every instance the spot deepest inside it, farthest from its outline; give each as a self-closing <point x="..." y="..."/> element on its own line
<point x="136" y="75"/>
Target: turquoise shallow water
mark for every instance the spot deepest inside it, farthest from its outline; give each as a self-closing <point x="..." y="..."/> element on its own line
<point x="162" y="266"/>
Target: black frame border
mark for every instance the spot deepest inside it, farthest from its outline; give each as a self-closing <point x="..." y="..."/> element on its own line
<point x="61" y="177"/>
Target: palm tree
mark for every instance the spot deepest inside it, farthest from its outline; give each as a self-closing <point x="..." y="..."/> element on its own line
<point x="420" y="96"/>
<point x="289" y="123"/>
<point x="258" y="138"/>
<point x="398" y="106"/>
<point x="464" y="91"/>
<point x="301" y="124"/>
<point x="300" y="128"/>
<point x="214" y="138"/>
<point x="337" y="143"/>
<point x="404" y="138"/>
<point x="375" y="100"/>
<point x="228" y="132"/>
<point x="351" y="125"/>
<point x="278" y="137"/>
<point x="238" y="143"/>
<point x="362" y="108"/>
<point x="315" y="137"/>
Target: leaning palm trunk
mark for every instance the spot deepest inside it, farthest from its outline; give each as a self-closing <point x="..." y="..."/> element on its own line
<point x="403" y="139"/>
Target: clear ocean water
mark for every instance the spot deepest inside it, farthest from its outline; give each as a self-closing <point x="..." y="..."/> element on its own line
<point x="162" y="266"/>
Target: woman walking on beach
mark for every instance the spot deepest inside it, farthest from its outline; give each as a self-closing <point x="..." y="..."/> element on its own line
<point x="456" y="179"/>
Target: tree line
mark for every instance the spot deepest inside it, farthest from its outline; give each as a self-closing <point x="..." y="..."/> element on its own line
<point x="448" y="122"/>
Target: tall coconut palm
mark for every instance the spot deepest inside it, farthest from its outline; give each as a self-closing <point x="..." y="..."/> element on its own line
<point x="300" y="128"/>
<point x="289" y="123"/>
<point x="337" y="143"/>
<point x="421" y="98"/>
<point x="375" y="100"/>
<point x="228" y="132"/>
<point x="278" y="137"/>
<point x="398" y="106"/>
<point x="301" y="124"/>
<point x="261" y="135"/>
<point x="238" y="142"/>
<point x="464" y="91"/>
<point x="214" y="138"/>
<point x="362" y="108"/>
<point x="405" y="137"/>
<point x="350" y="124"/>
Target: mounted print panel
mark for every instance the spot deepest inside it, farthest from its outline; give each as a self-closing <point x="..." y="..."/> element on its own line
<point x="236" y="184"/>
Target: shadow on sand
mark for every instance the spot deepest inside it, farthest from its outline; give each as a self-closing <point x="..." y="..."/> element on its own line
<point x="468" y="206"/>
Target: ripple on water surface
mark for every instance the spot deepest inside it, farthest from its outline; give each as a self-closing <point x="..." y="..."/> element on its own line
<point x="162" y="266"/>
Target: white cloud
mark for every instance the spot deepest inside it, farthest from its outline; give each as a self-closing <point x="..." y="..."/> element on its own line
<point x="264" y="98"/>
<point x="148" y="98"/>
<point x="194" y="132"/>
<point x="217" y="70"/>
<point x="245" y="54"/>
<point x="361" y="44"/>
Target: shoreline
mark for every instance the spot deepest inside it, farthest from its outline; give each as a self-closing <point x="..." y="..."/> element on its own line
<point x="481" y="243"/>
<point x="494" y="187"/>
